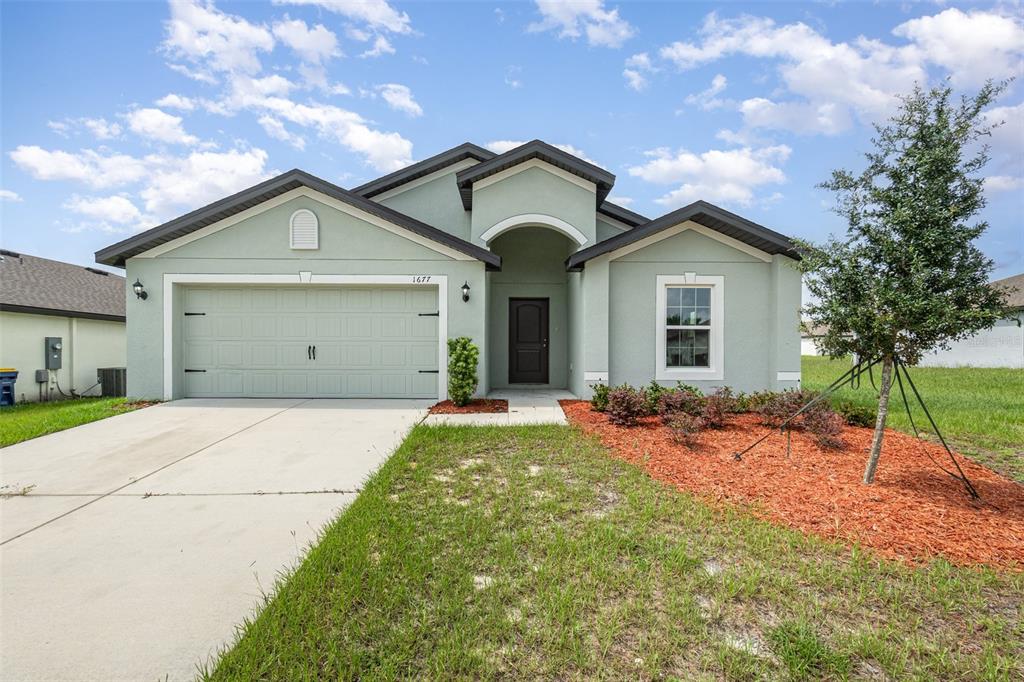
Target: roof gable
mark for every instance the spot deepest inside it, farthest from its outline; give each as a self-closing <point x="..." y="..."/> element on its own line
<point x="117" y="254"/>
<point x="702" y="213"/>
<point x="535" y="149"/>
<point x="466" y="150"/>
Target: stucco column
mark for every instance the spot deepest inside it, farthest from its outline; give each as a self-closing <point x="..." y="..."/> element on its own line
<point x="784" y="351"/>
<point x="595" y="323"/>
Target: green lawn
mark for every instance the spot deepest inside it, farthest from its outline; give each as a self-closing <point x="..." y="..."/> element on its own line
<point x="527" y="552"/>
<point x="980" y="410"/>
<point x="31" y="420"/>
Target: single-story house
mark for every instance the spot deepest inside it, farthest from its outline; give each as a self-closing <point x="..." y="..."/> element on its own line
<point x="1000" y="346"/>
<point x="297" y="287"/>
<point x="55" y="314"/>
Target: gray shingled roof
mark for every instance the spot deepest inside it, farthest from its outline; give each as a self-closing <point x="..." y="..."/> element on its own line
<point x="1014" y="288"/>
<point x="40" y="285"/>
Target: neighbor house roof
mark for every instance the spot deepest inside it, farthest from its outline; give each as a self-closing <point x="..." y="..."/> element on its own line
<point x="702" y="213"/>
<point x="468" y="150"/>
<point x="293" y="179"/>
<point x="534" y="149"/>
<point x="1014" y="288"/>
<point x="48" y="287"/>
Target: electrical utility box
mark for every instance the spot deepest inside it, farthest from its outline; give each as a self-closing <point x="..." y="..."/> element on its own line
<point x="54" y="352"/>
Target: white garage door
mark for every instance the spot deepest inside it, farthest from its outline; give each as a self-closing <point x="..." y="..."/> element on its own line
<point x="313" y="341"/>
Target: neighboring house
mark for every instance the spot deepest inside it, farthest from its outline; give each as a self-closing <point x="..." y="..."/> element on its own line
<point x="809" y="334"/>
<point x="83" y="307"/>
<point x="297" y="287"/>
<point x="1000" y="346"/>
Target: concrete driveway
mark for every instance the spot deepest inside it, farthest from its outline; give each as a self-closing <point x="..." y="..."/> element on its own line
<point x="142" y="540"/>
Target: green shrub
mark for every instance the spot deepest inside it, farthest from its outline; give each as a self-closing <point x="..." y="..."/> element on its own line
<point x="717" y="407"/>
<point x="854" y="414"/>
<point x="463" y="356"/>
<point x="599" y="403"/>
<point x="684" y="427"/>
<point x="680" y="401"/>
<point x="626" y="405"/>
<point x="654" y="392"/>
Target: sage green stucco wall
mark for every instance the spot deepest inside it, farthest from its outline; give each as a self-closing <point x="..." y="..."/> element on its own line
<point x="605" y="229"/>
<point x="437" y="203"/>
<point x="533" y="266"/>
<point x="760" y="307"/>
<point x="259" y="245"/>
<point x="87" y="346"/>
<point x="534" y="191"/>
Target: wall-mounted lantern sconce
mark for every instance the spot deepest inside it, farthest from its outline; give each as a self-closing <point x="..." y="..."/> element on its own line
<point x="140" y="292"/>
<point x="465" y="291"/>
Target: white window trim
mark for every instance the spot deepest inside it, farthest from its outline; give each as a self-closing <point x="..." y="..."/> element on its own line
<point x="716" y="372"/>
<point x="305" y="278"/>
<point x="291" y="231"/>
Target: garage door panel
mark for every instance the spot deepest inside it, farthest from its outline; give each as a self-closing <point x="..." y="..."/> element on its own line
<point x="255" y="341"/>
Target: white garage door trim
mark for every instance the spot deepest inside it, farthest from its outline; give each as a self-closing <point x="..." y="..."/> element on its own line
<point x="305" y="279"/>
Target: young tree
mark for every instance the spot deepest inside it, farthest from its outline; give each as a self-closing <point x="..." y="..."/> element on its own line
<point x="908" y="277"/>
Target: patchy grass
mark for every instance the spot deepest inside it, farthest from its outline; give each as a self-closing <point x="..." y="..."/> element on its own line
<point x="31" y="420"/>
<point x="980" y="410"/>
<point x="528" y="552"/>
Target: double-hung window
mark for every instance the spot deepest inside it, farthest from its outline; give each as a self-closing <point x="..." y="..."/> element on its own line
<point x="689" y="327"/>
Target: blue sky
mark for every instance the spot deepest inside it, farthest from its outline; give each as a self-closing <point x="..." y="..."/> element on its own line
<point x="119" y="116"/>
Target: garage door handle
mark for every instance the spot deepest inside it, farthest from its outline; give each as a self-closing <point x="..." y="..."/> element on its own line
<point x="309" y="352"/>
<point x="428" y="371"/>
<point x="437" y="314"/>
<point x="195" y="370"/>
<point x="314" y="352"/>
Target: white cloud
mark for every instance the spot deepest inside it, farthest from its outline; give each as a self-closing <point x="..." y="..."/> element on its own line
<point x="973" y="46"/>
<point x="198" y="75"/>
<point x="399" y="97"/>
<point x="377" y="14"/>
<point x="100" y="128"/>
<point x="602" y="27"/>
<point x="313" y="45"/>
<point x="707" y="99"/>
<point x="315" y="76"/>
<point x="88" y="166"/>
<point x="9" y="195"/>
<point x="637" y="68"/>
<point x="201" y="33"/>
<point x="512" y="79"/>
<point x="186" y="183"/>
<point x="381" y="46"/>
<point x="620" y="200"/>
<point x="173" y="101"/>
<point x="728" y="176"/>
<point x="1004" y="183"/>
<point x="158" y="125"/>
<point x="276" y="130"/>
<point x="113" y="209"/>
<point x="502" y="146"/>
<point x="803" y="118"/>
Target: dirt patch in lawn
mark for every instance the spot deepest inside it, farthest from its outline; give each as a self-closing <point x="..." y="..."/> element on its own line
<point x="485" y="405"/>
<point x="912" y="512"/>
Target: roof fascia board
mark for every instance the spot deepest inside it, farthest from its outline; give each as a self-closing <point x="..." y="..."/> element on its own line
<point x="623" y="215"/>
<point x="424" y="179"/>
<point x="56" y="312"/>
<point x="315" y="196"/>
<point x="409" y="173"/>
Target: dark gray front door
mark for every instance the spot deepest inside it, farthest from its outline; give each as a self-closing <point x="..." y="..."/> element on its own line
<point x="528" y="341"/>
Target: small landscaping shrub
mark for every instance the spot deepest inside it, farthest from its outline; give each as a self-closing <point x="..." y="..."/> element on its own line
<point x="752" y="401"/>
<point x="826" y="425"/>
<point x="677" y="401"/>
<point x="654" y="392"/>
<point x="684" y="428"/>
<point x="626" y="405"/>
<point x="462" y="360"/>
<point x="776" y="407"/>
<point x="717" y="408"/>
<point x="599" y="402"/>
<point x="854" y="414"/>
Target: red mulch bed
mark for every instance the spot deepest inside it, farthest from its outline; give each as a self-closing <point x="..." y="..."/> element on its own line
<point x="913" y="511"/>
<point x="474" y="406"/>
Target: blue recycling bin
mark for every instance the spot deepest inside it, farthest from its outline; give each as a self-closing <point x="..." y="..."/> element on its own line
<point x="7" y="379"/>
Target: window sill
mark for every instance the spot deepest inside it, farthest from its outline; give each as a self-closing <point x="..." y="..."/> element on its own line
<point x="689" y="374"/>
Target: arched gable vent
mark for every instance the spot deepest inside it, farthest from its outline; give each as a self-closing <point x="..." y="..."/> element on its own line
<point x="304" y="230"/>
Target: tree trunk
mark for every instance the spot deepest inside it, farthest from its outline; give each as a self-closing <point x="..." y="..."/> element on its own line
<point x="883" y="413"/>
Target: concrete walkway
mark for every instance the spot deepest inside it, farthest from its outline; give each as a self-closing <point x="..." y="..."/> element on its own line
<point x="525" y="406"/>
<point x="142" y="540"/>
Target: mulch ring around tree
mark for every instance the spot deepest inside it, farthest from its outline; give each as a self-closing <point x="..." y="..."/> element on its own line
<point x="913" y="512"/>
<point x="475" y="406"/>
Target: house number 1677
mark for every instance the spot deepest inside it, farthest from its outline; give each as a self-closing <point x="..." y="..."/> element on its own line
<point x="420" y="279"/>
